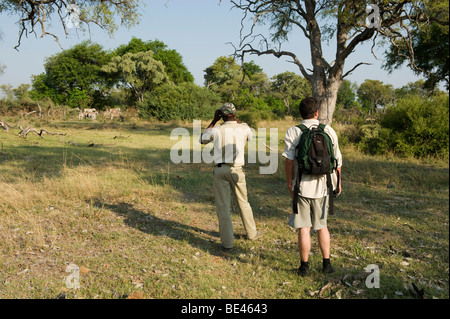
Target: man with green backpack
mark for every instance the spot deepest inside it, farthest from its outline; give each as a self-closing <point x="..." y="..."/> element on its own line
<point x="313" y="166"/>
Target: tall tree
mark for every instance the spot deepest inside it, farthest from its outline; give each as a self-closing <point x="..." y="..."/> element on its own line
<point x="290" y="87"/>
<point x="224" y="77"/>
<point x="320" y="20"/>
<point x="35" y="15"/>
<point x="346" y="94"/>
<point x="72" y="74"/>
<point x="172" y="60"/>
<point x="138" y="72"/>
<point x="255" y="80"/>
<point x="373" y="93"/>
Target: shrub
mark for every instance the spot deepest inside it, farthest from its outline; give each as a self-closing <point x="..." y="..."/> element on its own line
<point x="251" y="118"/>
<point x="412" y="127"/>
<point x="186" y="101"/>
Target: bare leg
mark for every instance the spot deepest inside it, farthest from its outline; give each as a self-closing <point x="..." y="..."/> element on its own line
<point x="304" y="243"/>
<point x="324" y="241"/>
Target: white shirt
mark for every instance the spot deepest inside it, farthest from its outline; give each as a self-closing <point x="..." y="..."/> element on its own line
<point x="229" y="142"/>
<point x="311" y="186"/>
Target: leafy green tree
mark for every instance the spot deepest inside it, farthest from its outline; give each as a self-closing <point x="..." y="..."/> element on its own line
<point x="413" y="88"/>
<point x="36" y="14"/>
<point x="7" y="90"/>
<point x="22" y="92"/>
<point x="289" y="87"/>
<point x="137" y="72"/>
<point x="78" y="68"/>
<point x="251" y="69"/>
<point x="255" y="80"/>
<point x="224" y="77"/>
<point x="172" y="60"/>
<point x="427" y="53"/>
<point x="346" y="94"/>
<point x="245" y="86"/>
<point x="373" y="93"/>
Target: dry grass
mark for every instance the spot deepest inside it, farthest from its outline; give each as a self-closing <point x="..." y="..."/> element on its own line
<point x="139" y="226"/>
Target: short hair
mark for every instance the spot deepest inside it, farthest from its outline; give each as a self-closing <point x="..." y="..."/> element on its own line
<point x="308" y="107"/>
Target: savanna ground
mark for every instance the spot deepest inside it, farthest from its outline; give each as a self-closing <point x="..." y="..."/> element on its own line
<point x="107" y="198"/>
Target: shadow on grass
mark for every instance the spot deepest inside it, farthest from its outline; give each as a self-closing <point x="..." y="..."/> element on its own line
<point x="194" y="236"/>
<point x="156" y="226"/>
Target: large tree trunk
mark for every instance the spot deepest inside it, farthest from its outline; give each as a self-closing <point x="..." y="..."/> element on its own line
<point x="327" y="96"/>
<point x="325" y="81"/>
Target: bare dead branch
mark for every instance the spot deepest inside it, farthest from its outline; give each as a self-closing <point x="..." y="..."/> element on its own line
<point x="24" y="132"/>
<point x="6" y="126"/>
<point x="354" y="68"/>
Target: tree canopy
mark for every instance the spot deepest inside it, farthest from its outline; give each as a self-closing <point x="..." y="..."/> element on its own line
<point x="137" y="72"/>
<point x="172" y="60"/>
<point x="374" y="93"/>
<point x="290" y="87"/>
<point x="73" y="76"/>
<point x="347" y="22"/>
<point x="35" y="15"/>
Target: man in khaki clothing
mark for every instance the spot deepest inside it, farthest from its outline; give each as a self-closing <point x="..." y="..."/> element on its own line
<point x="229" y="142"/>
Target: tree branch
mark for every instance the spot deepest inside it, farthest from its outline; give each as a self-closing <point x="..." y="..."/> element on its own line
<point x="24" y="132"/>
<point x="39" y="12"/>
<point x="353" y="69"/>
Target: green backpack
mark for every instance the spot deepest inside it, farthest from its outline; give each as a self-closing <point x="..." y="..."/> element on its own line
<point x="315" y="156"/>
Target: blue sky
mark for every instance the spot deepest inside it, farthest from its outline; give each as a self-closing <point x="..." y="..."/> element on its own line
<point x="198" y="29"/>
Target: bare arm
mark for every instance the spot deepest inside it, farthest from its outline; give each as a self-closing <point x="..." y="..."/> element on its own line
<point x="289" y="167"/>
<point x="339" y="181"/>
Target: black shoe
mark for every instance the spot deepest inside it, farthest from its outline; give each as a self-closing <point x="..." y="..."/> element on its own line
<point x="327" y="268"/>
<point x="303" y="270"/>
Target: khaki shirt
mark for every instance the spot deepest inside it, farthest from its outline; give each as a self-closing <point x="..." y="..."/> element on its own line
<point x="311" y="186"/>
<point x="229" y="142"/>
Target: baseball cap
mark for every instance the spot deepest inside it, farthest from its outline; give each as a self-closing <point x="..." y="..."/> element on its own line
<point x="228" y="109"/>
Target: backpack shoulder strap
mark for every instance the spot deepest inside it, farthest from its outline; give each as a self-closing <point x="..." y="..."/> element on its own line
<point x="322" y="127"/>
<point x="302" y="127"/>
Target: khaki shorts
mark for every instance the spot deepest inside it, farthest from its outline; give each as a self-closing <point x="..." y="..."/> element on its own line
<point x="312" y="212"/>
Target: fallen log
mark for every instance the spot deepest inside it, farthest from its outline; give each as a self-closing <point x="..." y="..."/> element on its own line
<point x="24" y="132"/>
<point x="6" y="126"/>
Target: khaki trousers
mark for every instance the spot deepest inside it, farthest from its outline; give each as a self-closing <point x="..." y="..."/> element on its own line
<point x="229" y="179"/>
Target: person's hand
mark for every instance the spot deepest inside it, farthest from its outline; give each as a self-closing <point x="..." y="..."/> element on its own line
<point x="290" y="190"/>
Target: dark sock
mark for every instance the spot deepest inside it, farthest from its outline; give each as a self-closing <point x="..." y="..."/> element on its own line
<point x="304" y="264"/>
<point x="326" y="261"/>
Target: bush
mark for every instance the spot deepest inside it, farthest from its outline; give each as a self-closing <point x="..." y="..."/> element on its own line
<point x="276" y="106"/>
<point x="412" y="127"/>
<point x="252" y="118"/>
<point x="186" y="101"/>
<point x="9" y="107"/>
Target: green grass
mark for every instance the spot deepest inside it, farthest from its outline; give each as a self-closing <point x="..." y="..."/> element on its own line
<point x="141" y="226"/>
